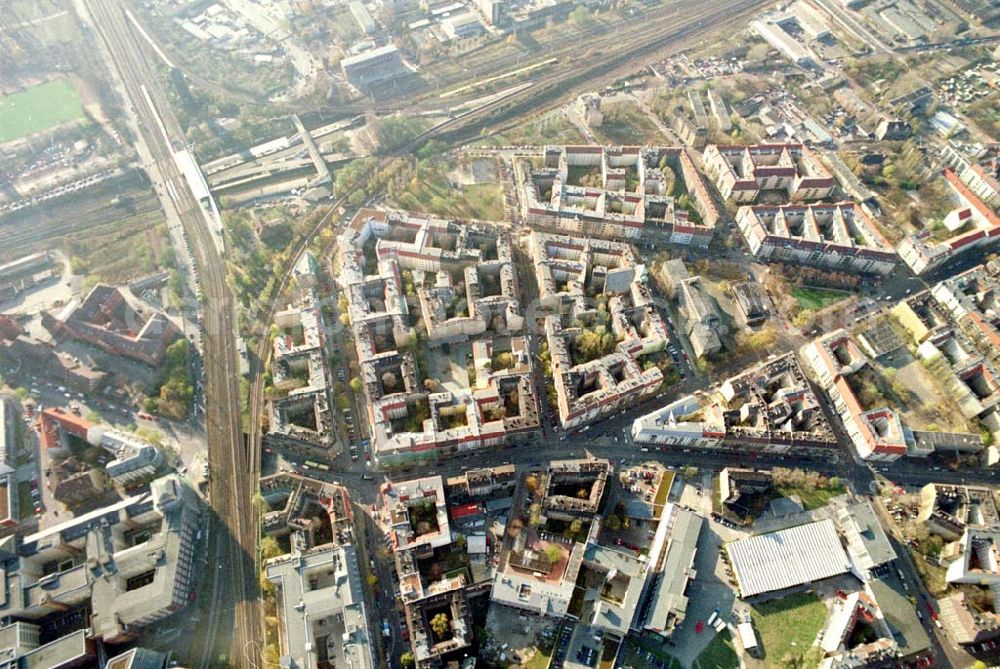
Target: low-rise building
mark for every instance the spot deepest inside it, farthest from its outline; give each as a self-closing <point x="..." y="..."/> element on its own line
<point x="789" y="558"/>
<point x="741" y="173"/>
<point x="702" y="322"/>
<point x="751" y="304"/>
<point x="836" y="236"/>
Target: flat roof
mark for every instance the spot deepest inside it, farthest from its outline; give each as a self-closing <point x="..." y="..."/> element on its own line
<point x="788" y="558"/>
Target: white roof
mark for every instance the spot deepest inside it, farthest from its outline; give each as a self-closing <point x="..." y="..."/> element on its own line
<point x="787" y="558"/>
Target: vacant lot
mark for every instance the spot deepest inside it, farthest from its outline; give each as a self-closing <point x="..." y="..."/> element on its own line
<point x="551" y="128"/>
<point x="817" y="298"/>
<point x="37" y="109"/>
<point x="427" y="187"/>
<point x="788" y="626"/>
<point x="625" y="123"/>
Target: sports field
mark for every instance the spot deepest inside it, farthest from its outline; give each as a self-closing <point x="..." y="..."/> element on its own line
<point x="38" y="108"/>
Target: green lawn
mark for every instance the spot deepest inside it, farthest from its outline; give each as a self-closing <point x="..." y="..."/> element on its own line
<point x="812" y="498"/>
<point x="625" y="123"/>
<point x="817" y="298"/>
<point x="552" y="128"/>
<point x="788" y="625"/>
<point x="25" y="504"/>
<point x="634" y="654"/>
<point x="432" y="192"/>
<point x="718" y="654"/>
<point x="540" y="660"/>
<point x="38" y="108"/>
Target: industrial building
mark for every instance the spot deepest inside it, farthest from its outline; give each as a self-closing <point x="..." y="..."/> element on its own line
<point x="839" y="236"/>
<point x="788" y="558"/>
<point x="784" y="43"/>
<point x="373" y="67"/>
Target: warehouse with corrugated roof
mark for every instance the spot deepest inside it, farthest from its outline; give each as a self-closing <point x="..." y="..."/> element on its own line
<point x="787" y="558"/>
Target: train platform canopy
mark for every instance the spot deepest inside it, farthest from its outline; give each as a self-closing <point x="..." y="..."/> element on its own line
<point x="788" y="558"/>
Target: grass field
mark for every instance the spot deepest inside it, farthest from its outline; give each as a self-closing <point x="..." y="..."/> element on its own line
<point x="38" y="108"/>
<point x="552" y="128"/>
<point x="788" y="626"/>
<point x="634" y="655"/>
<point x="718" y="654"/>
<point x="625" y="123"/>
<point x="817" y="298"/>
<point x="540" y="660"/>
<point x="812" y="498"/>
<point x="435" y="194"/>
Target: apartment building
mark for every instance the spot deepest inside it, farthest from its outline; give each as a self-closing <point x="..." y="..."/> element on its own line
<point x="300" y="407"/>
<point x="839" y="236"/>
<point x="130" y="565"/>
<point x="116" y="324"/>
<point x="741" y="173"/>
<point x="973" y="225"/>
<point x="770" y="408"/>
<point x="321" y="604"/>
<point x="616" y="192"/>
<point x="877" y="433"/>
<point x="413" y="418"/>
<point x="569" y="271"/>
<point x="415" y="516"/>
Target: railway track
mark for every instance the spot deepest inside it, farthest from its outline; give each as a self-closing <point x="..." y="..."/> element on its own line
<point x="567" y="50"/>
<point x="233" y="483"/>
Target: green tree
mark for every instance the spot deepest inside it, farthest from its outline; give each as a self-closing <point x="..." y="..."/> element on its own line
<point x="440" y="624"/>
<point x="355" y="384"/>
<point x="269" y="548"/>
<point x="553" y="552"/>
<point x="406" y="660"/>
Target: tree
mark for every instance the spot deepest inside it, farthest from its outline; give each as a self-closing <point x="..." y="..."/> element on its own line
<point x="406" y="660"/>
<point x="372" y="580"/>
<point x="531" y="482"/>
<point x="576" y="527"/>
<point x="553" y="552"/>
<point x="689" y="472"/>
<point x="345" y="319"/>
<point x="269" y="548"/>
<point x="440" y="624"/>
<point x="355" y="384"/>
<point x="389" y="380"/>
<point x="613" y="522"/>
